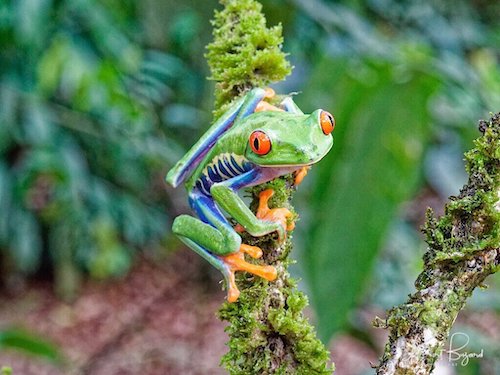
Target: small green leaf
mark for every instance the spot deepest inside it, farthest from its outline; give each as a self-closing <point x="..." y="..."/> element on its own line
<point x="15" y="338"/>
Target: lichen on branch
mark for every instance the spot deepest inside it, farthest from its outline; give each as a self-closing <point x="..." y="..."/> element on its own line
<point x="268" y="333"/>
<point x="463" y="249"/>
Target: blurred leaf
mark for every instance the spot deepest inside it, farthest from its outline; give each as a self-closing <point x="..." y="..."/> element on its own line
<point x="374" y="166"/>
<point x="445" y="169"/>
<point x="5" y="202"/>
<point x="25" y="240"/>
<point x="19" y="339"/>
<point x="397" y="266"/>
<point x="112" y="258"/>
<point x="81" y="134"/>
<point x="32" y="17"/>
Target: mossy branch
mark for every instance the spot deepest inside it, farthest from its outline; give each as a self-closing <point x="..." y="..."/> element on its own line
<point x="463" y="249"/>
<point x="268" y="333"/>
<point x="244" y="53"/>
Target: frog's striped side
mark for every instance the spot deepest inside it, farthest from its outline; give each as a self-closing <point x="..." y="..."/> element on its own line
<point x="223" y="167"/>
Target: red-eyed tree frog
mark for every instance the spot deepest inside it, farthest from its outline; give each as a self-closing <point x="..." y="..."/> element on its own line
<point x="252" y="143"/>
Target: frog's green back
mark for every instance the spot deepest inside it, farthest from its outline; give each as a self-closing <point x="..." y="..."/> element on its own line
<point x="185" y="167"/>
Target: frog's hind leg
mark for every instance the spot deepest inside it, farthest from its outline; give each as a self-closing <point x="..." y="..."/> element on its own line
<point x="215" y="240"/>
<point x="289" y="105"/>
<point x="236" y="262"/>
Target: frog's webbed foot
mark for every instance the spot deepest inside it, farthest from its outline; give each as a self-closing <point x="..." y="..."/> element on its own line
<point x="254" y="251"/>
<point x="265" y="106"/>
<point x="276" y="215"/>
<point x="236" y="262"/>
<point x="300" y="174"/>
<point x="280" y="216"/>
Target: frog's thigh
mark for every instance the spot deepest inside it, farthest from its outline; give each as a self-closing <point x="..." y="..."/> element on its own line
<point x="289" y="106"/>
<point x="188" y="229"/>
<point x="213" y="231"/>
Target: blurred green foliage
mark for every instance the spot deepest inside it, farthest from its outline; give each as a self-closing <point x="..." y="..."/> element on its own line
<point x="19" y="339"/>
<point x="99" y="98"/>
<point x="406" y="83"/>
<point x="88" y="108"/>
<point x="374" y="166"/>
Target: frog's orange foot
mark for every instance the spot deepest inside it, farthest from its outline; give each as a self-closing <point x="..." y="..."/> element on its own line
<point x="278" y="215"/>
<point x="265" y="106"/>
<point x="300" y="174"/>
<point x="254" y="251"/>
<point x="236" y="262"/>
<point x="270" y="93"/>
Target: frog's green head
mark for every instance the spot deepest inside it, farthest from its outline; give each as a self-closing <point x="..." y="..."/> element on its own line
<point x="285" y="139"/>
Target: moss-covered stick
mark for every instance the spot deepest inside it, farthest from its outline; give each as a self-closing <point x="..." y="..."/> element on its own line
<point x="463" y="249"/>
<point x="268" y="333"/>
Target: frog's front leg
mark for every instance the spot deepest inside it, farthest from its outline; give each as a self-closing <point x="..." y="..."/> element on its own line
<point x="225" y="194"/>
<point x="214" y="239"/>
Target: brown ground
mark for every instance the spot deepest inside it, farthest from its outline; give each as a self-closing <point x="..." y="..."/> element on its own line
<point x="158" y="320"/>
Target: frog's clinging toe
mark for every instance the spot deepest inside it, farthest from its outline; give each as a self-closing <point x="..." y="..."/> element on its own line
<point x="300" y="174"/>
<point x="254" y="251"/>
<point x="236" y="262"/>
<point x="232" y="289"/>
<point x="277" y="215"/>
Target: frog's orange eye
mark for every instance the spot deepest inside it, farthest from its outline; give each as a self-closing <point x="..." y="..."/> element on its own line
<point x="260" y="142"/>
<point x="327" y="122"/>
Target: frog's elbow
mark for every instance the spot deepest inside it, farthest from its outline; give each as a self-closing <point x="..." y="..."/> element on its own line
<point x="172" y="179"/>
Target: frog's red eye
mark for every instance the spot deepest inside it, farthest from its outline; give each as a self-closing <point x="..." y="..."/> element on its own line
<point x="327" y="122"/>
<point x="260" y="142"/>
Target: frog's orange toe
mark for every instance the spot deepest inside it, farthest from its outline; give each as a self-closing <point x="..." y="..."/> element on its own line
<point x="236" y="262"/>
<point x="269" y="273"/>
<point x="279" y="215"/>
<point x="239" y="228"/>
<point x="269" y="93"/>
<point x="265" y="106"/>
<point x="300" y="174"/>
<point x="232" y="290"/>
<point x="254" y="251"/>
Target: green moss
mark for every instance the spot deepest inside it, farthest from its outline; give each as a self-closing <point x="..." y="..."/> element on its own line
<point x="260" y="333"/>
<point x="268" y="331"/>
<point x="474" y="208"/>
<point x="244" y="53"/>
<point x="434" y="315"/>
